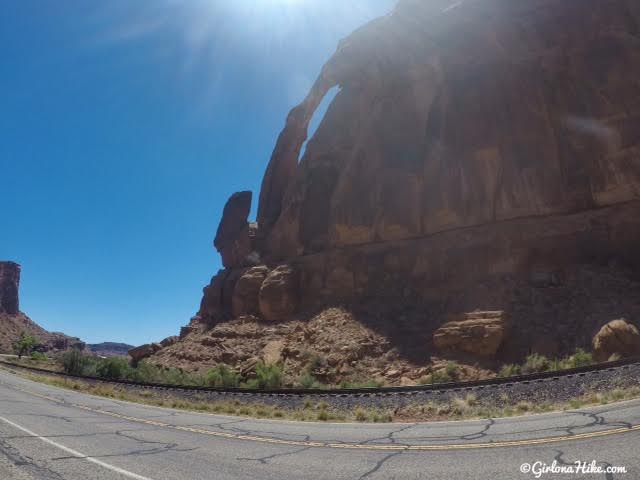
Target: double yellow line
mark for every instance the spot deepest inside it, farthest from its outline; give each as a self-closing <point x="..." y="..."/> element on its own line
<point x="348" y="446"/>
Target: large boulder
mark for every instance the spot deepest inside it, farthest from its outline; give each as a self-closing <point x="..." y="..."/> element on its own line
<point x="244" y="300"/>
<point x="618" y="337"/>
<point x="278" y="295"/>
<point x="167" y="342"/>
<point x="143" y="351"/>
<point x="233" y="237"/>
<point x="478" y="333"/>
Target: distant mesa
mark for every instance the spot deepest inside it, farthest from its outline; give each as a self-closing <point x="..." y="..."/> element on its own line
<point x="110" y="349"/>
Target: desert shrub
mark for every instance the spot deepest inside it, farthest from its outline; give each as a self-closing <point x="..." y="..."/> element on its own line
<point x="114" y="368"/>
<point x="558" y="364"/>
<point x="74" y="362"/>
<point x="323" y="415"/>
<point x="146" y="372"/>
<point x="509" y="370"/>
<point x="360" y="414"/>
<point x="38" y="357"/>
<point x="441" y="375"/>
<point x="536" y="363"/>
<point x="451" y="369"/>
<point x="471" y="399"/>
<point x="461" y="406"/>
<point x="308" y="380"/>
<point x="267" y="376"/>
<point x="315" y="362"/>
<point x="25" y="344"/>
<point x="177" y="376"/>
<point x="524" y="406"/>
<point x="580" y="358"/>
<point x="222" y="376"/>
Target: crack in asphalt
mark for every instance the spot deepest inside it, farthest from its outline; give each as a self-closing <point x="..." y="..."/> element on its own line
<point x="380" y="463"/>
<point x="561" y="461"/>
<point x="258" y="433"/>
<point x="600" y="420"/>
<point x="390" y="436"/>
<point x="265" y="460"/>
<point x="27" y="464"/>
<point x="162" y="448"/>
<point x="482" y="433"/>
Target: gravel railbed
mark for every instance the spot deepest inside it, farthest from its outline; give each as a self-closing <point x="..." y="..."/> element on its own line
<point x="560" y="388"/>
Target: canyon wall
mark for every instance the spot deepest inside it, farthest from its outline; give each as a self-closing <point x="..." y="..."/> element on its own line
<point x="479" y="155"/>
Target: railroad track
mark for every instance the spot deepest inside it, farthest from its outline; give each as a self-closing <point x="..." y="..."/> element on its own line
<point x="450" y="387"/>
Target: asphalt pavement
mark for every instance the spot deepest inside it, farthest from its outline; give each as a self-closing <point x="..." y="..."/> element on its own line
<point x="51" y="433"/>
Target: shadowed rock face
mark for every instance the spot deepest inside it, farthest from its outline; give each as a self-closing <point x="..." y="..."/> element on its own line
<point x="9" y="283"/>
<point x="233" y="235"/>
<point x="143" y="351"/>
<point x="486" y="111"/>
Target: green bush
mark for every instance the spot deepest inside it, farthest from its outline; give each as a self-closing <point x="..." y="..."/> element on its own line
<point x="74" y="362"/>
<point x="38" y="357"/>
<point x="146" y="372"/>
<point x="510" y="370"/>
<point x="308" y="380"/>
<point x="445" y="374"/>
<point x="536" y="363"/>
<point x="267" y="376"/>
<point x="114" y="368"/>
<point x="451" y="369"/>
<point x="558" y="364"/>
<point x="580" y="358"/>
<point x="176" y="376"/>
<point x="315" y="362"/>
<point x="222" y="376"/>
<point x="25" y="344"/>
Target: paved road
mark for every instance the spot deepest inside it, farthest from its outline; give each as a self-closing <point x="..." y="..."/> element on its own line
<point x="48" y="433"/>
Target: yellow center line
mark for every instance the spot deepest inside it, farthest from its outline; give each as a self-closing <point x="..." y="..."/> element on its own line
<point x="350" y="446"/>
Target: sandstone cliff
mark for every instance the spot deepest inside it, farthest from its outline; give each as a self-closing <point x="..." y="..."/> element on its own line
<point x="13" y="322"/>
<point x="479" y="155"/>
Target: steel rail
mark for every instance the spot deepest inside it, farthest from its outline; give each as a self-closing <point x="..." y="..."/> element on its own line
<point x="449" y="386"/>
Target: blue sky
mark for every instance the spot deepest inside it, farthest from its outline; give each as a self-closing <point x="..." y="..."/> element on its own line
<point x="125" y="127"/>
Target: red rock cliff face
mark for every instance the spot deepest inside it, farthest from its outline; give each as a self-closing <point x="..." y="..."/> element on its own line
<point x="479" y="155"/>
<point x="9" y="283"/>
<point x="13" y="322"/>
<point x="454" y="115"/>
